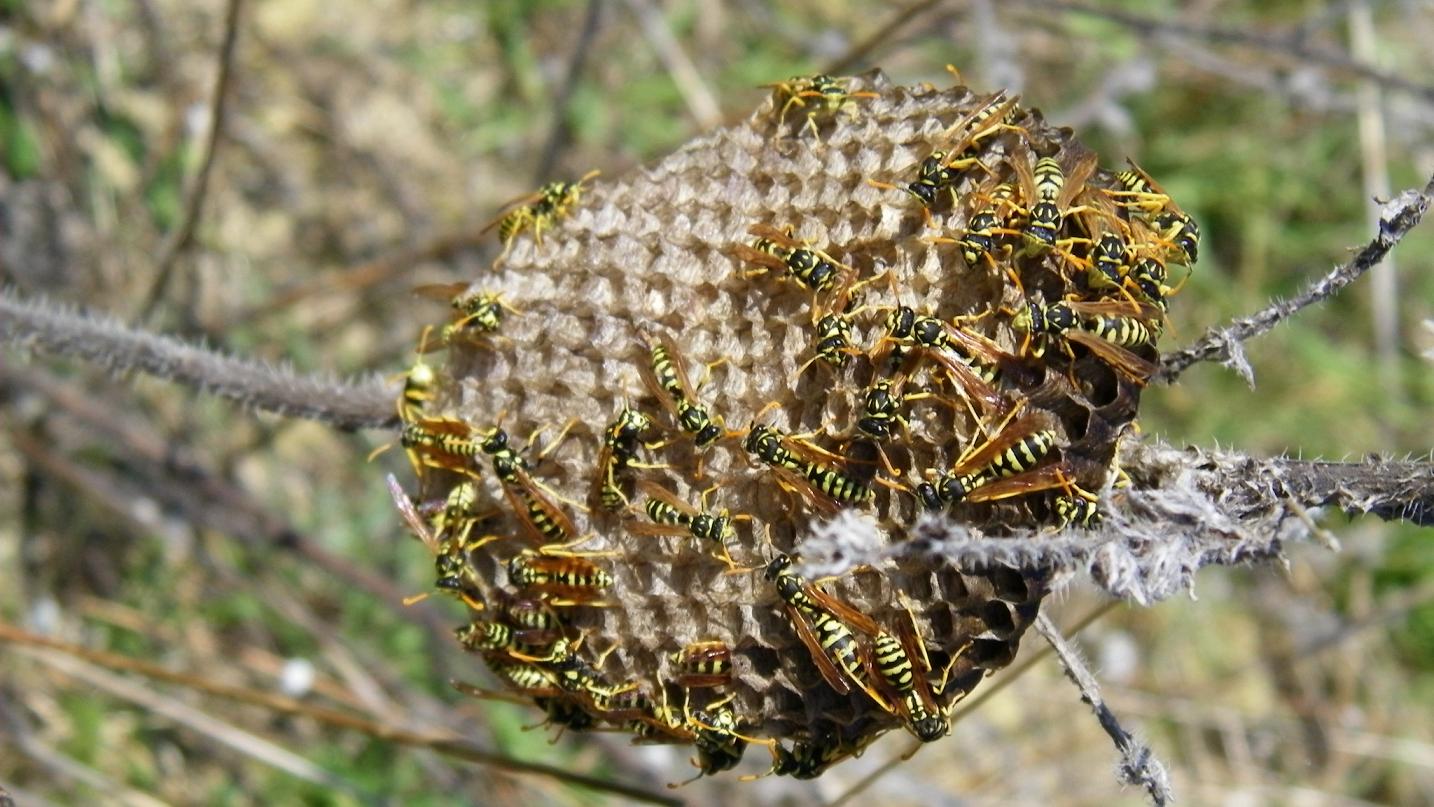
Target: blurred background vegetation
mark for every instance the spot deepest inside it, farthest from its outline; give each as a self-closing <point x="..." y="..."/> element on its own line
<point x="362" y="147"/>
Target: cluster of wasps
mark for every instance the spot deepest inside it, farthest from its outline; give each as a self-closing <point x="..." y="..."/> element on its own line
<point x="1083" y="266"/>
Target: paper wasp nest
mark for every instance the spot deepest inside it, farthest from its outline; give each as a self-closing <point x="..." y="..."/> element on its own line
<point x="651" y="255"/>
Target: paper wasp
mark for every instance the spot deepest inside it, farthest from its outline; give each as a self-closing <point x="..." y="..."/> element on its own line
<point x="825" y="624"/>
<point x="1148" y="277"/>
<point x="477" y="313"/>
<point x="1066" y="320"/>
<point x="453" y="572"/>
<point x="803" y="467"/>
<point x="1110" y="262"/>
<point x="1139" y="194"/>
<point x="538" y="210"/>
<point x="1049" y="189"/>
<point x="895" y="659"/>
<point x="719" y="744"/>
<point x="652" y="723"/>
<point x="672" y="516"/>
<point x="957" y="352"/>
<point x="481" y="636"/>
<point x="1182" y="233"/>
<point x="826" y="95"/>
<point x="1018" y="445"/>
<point x="1077" y="509"/>
<point x="809" y="759"/>
<point x="562" y="578"/>
<point x="620" y="444"/>
<point x="418" y="384"/>
<point x="666" y="377"/>
<point x="940" y="171"/>
<point x="542" y="518"/>
<point x="704" y="664"/>
<point x="833" y="342"/>
<point x="534" y="682"/>
<point x="777" y="250"/>
<point x="533" y="621"/>
<point x="440" y="442"/>
<point x="881" y="411"/>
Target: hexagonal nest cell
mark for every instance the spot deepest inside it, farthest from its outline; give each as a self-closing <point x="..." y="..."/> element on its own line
<point x="1011" y="299"/>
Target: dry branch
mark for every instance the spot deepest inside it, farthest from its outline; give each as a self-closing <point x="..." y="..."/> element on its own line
<point x="183" y="234"/>
<point x="45" y="327"/>
<point x="1398" y="217"/>
<point x="1138" y="765"/>
<point x="1188" y="508"/>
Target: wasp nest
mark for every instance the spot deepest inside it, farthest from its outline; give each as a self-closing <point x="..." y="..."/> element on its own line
<point x="864" y="302"/>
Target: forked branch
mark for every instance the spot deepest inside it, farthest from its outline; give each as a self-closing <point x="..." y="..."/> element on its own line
<point x="1398" y="217"/>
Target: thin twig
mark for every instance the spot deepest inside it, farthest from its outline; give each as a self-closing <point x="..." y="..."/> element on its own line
<point x="444" y="743"/>
<point x="880" y="36"/>
<point x="1293" y="45"/>
<point x="218" y="731"/>
<point x="1138" y="763"/>
<point x="181" y="236"/>
<point x="699" y="99"/>
<point x="61" y="330"/>
<point x="558" y="136"/>
<point x="1398" y="217"/>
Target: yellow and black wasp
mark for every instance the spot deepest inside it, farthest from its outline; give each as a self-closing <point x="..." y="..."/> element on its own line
<point x="1093" y="325"/>
<point x="533" y="621"/>
<point x="971" y="363"/>
<point x="541" y="517"/>
<point x="561" y="578"/>
<point x="453" y="571"/>
<point x="538" y="211"/>
<point x="1183" y="235"/>
<point x="1147" y="278"/>
<point x="477" y="314"/>
<point x="666" y="377"/>
<point x="1048" y="189"/>
<point x="1019" y="444"/>
<point x="671" y="516"/>
<point x="1143" y="199"/>
<point x="807" y="469"/>
<point x="620" y="443"/>
<point x="703" y="664"/>
<point x="982" y="239"/>
<point x="811" y="268"/>
<point x="483" y="636"/>
<point x="537" y="687"/>
<point x="1110" y="259"/>
<point x="810" y="758"/>
<point x="1077" y="508"/>
<point x="716" y="736"/>
<point x="834" y="330"/>
<point x="1138" y="193"/>
<point x="941" y="171"/>
<point x="440" y="442"/>
<point x="882" y="409"/>
<point x="418" y="384"/>
<point x="651" y="723"/>
<point x="825" y="625"/>
<point x="895" y="659"/>
<point x="822" y="96"/>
